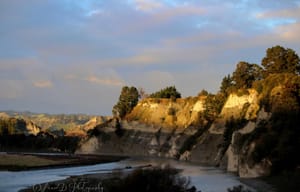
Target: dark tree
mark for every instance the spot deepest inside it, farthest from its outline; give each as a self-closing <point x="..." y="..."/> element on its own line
<point x="168" y="92"/>
<point x="226" y="84"/>
<point x="203" y="92"/>
<point x="128" y="99"/>
<point x="281" y="60"/>
<point x="245" y="74"/>
<point x="213" y="106"/>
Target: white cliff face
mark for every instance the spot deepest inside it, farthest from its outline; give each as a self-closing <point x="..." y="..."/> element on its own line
<point x="239" y="156"/>
<point x="168" y="113"/>
<point x="232" y="160"/>
<point x="31" y="128"/>
<point x="235" y="105"/>
<point x="245" y="106"/>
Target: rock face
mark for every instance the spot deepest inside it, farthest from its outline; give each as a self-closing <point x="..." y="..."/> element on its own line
<point x="70" y="125"/>
<point x="168" y="113"/>
<point x="239" y="155"/>
<point x="31" y="128"/>
<point x="136" y="139"/>
<point x="168" y="128"/>
<point x="18" y="126"/>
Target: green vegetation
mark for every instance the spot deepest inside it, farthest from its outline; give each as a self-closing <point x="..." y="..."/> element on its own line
<point x="281" y="60"/>
<point x="41" y="142"/>
<point x="150" y="180"/>
<point x="245" y="74"/>
<point x="213" y="106"/>
<point x="239" y="188"/>
<point x="127" y="101"/>
<point x="12" y="126"/>
<point x="168" y="92"/>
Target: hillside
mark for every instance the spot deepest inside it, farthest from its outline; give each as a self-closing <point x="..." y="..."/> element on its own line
<point x="62" y="124"/>
<point x="238" y="138"/>
<point x="250" y="126"/>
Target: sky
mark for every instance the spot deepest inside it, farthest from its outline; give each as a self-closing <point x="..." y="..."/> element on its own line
<point x="74" y="56"/>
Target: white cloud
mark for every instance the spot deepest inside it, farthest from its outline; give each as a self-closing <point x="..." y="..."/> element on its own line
<point x="147" y="5"/>
<point x="43" y="84"/>
<point x="94" y="12"/>
<point x="104" y="81"/>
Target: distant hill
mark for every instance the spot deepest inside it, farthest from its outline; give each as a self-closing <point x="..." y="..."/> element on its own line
<point x="69" y="124"/>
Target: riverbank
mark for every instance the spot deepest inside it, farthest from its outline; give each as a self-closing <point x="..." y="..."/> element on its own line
<point x="24" y="161"/>
<point x="140" y="178"/>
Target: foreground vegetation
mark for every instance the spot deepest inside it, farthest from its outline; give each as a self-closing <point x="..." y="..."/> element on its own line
<point x="152" y="179"/>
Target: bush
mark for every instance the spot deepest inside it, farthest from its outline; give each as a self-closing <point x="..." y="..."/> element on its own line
<point x="172" y="111"/>
<point x="150" y="180"/>
<point x="238" y="188"/>
<point x="168" y="92"/>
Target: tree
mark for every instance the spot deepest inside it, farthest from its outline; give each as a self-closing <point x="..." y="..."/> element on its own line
<point x="128" y="99"/>
<point x="168" y="92"/>
<point x="281" y="60"/>
<point x="142" y="93"/>
<point x="203" y="92"/>
<point x="227" y="83"/>
<point x="245" y="74"/>
<point x="213" y="106"/>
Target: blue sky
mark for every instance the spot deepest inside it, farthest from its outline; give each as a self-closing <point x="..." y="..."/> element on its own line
<point x="67" y="56"/>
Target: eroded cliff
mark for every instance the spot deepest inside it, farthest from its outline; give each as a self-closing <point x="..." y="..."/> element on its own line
<point x="176" y="129"/>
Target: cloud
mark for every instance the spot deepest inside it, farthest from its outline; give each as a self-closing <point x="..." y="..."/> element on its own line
<point x="147" y="5"/>
<point x="43" y="84"/>
<point x="104" y="81"/>
<point x="94" y="12"/>
<point x="293" y="12"/>
<point x="289" y="32"/>
<point x="81" y="51"/>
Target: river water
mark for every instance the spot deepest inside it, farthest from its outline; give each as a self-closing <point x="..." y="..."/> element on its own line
<point x="206" y="179"/>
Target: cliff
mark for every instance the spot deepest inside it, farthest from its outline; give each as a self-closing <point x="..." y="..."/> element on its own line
<point x="176" y="129"/>
<point x="169" y="113"/>
<point x="10" y="125"/>
<point x="61" y="124"/>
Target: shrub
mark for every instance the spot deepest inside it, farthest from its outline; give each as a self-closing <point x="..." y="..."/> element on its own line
<point x="172" y="111"/>
<point x="168" y="92"/>
<point x="238" y="188"/>
<point x="150" y="180"/>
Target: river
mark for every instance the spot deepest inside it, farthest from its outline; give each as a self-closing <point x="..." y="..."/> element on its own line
<point x="206" y="179"/>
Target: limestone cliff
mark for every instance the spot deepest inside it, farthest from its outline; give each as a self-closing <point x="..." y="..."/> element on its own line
<point x="168" y="113"/>
<point x="175" y="129"/>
